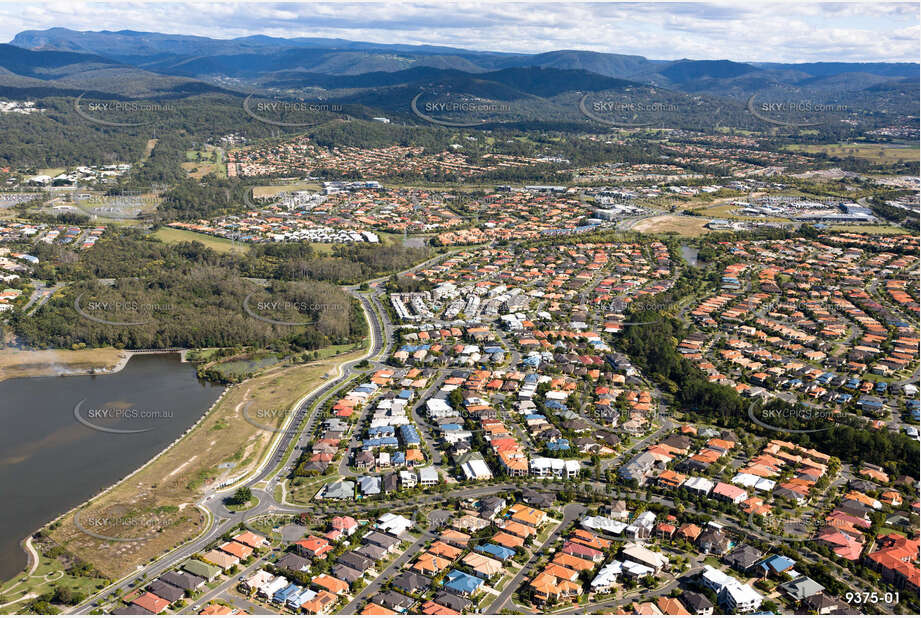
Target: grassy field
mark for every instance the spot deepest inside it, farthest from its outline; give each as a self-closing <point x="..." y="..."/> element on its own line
<point x="684" y="226"/>
<point x="877" y="153"/>
<point x="200" y="163"/>
<point x="870" y="229"/>
<point x="49" y="575"/>
<point x="273" y="190"/>
<point x="304" y="493"/>
<point x="222" y="245"/>
<point x="224" y="446"/>
<point x="28" y="363"/>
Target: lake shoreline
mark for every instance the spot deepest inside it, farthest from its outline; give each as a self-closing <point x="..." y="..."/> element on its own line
<point x="64" y="363"/>
<point x="189" y="418"/>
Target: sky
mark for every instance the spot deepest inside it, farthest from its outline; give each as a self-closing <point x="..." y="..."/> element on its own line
<point x="744" y="30"/>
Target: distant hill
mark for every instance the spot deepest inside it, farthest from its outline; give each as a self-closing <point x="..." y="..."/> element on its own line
<point x="42" y="64"/>
<point x="825" y="69"/>
<point x="611" y="65"/>
<point x="65" y="73"/>
<point x="197" y="56"/>
<point x="687" y="70"/>
<point x="150" y="64"/>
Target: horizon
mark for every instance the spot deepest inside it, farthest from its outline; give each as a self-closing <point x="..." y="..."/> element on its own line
<point x="800" y="33"/>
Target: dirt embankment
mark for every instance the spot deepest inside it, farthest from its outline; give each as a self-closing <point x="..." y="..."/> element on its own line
<point x="32" y="363"/>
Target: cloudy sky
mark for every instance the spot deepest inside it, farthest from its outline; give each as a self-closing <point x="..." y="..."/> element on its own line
<point x="786" y="32"/>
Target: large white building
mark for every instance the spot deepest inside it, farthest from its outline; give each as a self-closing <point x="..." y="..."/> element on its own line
<point x="647" y="557"/>
<point x="735" y="596"/>
<point x="476" y="470"/>
<point x="551" y="467"/>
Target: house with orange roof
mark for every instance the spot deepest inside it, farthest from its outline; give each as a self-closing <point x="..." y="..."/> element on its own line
<point x="720" y="444"/>
<point x="213" y="609"/>
<point x="519" y="529"/>
<point x="671" y="479"/>
<point x="445" y="551"/>
<point x="454" y="537"/>
<point x="671" y="606"/>
<point x="251" y="539"/>
<point x="547" y="588"/>
<point x="707" y="456"/>
<point x="896" y="559"/>
<point x="431" y="608"/>
<point x="151" y="602"/>
<point x="527" y="515"/>
<point x="863" y="499"/>
<point x="330" y="583"/>
<point x="515" y="463"/>
<point x="507" y="540"/>
<point x="313" y="547"/>
<point x="321" y="603"/>
<point x="892" y="498"/>
<point x="430" y="564"/>
<point x="689" y="532"/>
<point x="237" y="549"/>
<point x="373" y="609"/>
<point x="755" y="506"/>
<point x="589" y="539"/>
<point x="877" y="475"/>
<point x="573" y="563"/>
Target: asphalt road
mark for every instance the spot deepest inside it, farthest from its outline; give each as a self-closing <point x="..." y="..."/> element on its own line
<point x="571" y="512"/>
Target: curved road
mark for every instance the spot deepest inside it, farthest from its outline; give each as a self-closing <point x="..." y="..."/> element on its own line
<point x="271" y="468"/>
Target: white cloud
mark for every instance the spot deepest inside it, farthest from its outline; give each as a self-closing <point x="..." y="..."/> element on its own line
<point x="785" y="32"/>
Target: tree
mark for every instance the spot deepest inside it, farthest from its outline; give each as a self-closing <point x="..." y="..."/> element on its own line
<point x="242" y="496"/>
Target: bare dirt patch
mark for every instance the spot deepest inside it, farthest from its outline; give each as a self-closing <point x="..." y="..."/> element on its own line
<point x="30" y="363"/>
<point x="684" y="226"/>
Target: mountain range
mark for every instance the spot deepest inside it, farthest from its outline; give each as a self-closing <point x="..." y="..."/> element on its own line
<point x="148" y="64"/>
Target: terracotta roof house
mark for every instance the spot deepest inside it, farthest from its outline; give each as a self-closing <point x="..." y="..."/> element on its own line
<point x="897" y="560"/>
<point x="430" y="564"/>
<point x="321" y="603"/>
<point x="507" y="540"/>
<point x="237" y="549"/>
<point x="151" y="603"/>
<point x="250" y="538"/>
<point x="313" y="547"/>
<point x="672" y="607"/>
<point x="333" y="584"/>
<point x="373" y="609"/>
<point x="220" y="559"/>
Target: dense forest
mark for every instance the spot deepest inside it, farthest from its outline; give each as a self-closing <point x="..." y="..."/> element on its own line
<point x="189" y="199"/>
<point x="133" y="291"/>
<point x="348" y="264"/>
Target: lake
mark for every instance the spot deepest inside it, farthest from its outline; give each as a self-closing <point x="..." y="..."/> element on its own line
<point x="66" y="438"/>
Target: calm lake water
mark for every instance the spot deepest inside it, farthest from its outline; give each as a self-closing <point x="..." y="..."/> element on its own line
<point x="50" y="461"/>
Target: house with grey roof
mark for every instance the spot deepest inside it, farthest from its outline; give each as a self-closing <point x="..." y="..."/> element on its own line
<point x="743" y="557"/>
<point x="800" y="588"/>
<point x="293" y="562"/>
<point x="185" y="581"/>
<point x="369" y="485"/>
<point x="340" y="490"/>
